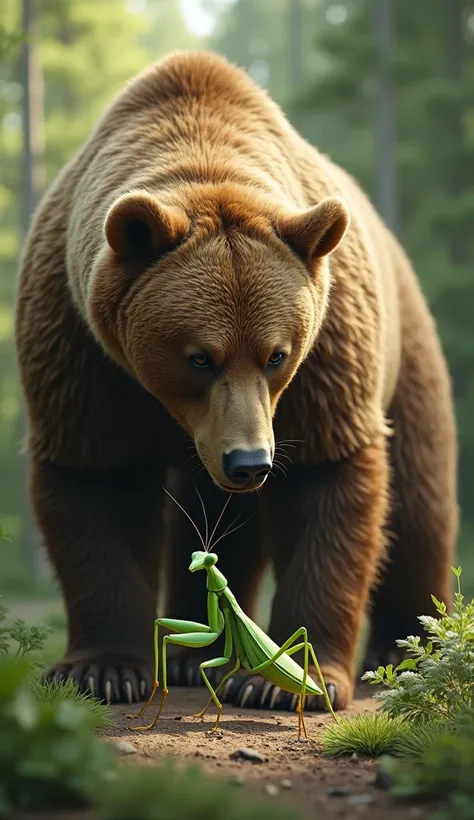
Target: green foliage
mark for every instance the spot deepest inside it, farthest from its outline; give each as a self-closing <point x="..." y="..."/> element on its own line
<point x="443" y="771"/>
<point x="48" y="754"/>
<point x="167" y="793"/>
<point x="19" y="639"/>
<point x="9" y="43"/>
<point x="437" y="681"/>
<point x="417" y="738"/>
<point x="54" y="693"/>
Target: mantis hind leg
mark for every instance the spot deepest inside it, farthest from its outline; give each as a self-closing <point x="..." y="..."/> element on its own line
<point x="289" y="648"/>
<point x="214" y="663"/>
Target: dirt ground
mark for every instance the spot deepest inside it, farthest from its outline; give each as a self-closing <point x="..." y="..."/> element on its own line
<point x="296" y="770"/>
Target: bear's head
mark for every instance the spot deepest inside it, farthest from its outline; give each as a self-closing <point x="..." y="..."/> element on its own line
<point x="213" y="302"/>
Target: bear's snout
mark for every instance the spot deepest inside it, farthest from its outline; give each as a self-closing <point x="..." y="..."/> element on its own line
<point x="247" y="468"/>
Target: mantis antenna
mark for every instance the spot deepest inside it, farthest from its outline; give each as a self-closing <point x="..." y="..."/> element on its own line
<point x="207" y="542"/>
<point x="188" y="517"/>
<point x="206" y="522"/>
<point x="219" y="521"/>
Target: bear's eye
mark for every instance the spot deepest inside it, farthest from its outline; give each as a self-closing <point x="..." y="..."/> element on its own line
<point x="276" y="358"/>
<point x="201" y="362"/>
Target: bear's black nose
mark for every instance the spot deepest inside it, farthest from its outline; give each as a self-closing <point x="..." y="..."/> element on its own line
<point x="247" y="467"/>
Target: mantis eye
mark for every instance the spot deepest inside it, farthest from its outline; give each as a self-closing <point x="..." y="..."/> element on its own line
<point x="210" y="560"/>
<point x="194" y="555"/>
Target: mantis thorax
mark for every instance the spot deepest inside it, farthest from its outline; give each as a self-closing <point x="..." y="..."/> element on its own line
<point x="216" y="581"/>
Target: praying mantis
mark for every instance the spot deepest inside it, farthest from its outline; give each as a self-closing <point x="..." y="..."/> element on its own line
<point x="254" y="650"/>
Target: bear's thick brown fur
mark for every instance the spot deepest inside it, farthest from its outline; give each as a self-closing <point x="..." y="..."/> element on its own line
<point x="194" y="272"/>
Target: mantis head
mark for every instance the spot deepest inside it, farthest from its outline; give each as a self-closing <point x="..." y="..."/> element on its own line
<point x="202" y="560"/>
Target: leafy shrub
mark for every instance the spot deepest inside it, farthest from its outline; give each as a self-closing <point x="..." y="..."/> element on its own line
<point x="438" y="680"/>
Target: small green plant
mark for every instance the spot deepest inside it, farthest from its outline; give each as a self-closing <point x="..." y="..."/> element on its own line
<point x="54" y="692"/>
<point x="365" y="735"/>
<point x="379" y="734"/>
<point x="438" y="679"/>
<point x="20" y="638"/>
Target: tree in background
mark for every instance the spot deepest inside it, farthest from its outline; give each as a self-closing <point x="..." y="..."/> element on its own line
<point x="271" y="40"/>
<point x="432" y="66"/>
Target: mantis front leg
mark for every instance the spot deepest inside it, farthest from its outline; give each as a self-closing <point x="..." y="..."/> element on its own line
<point x="191" y="634"/>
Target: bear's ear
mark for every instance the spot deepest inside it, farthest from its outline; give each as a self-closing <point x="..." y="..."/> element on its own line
<point x="138" y="227"/>
<point x="316" y="232"/>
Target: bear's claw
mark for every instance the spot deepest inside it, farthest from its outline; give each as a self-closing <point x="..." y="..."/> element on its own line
<point x="110" y="683"/>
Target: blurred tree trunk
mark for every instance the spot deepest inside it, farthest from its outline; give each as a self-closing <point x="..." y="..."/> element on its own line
<point x="386" y="182"/>
<point x="33" y="185"/>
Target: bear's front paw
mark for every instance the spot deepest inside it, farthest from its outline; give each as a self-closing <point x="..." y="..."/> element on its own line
<point x="254" y="691"/>
<point x="112" y="679"/>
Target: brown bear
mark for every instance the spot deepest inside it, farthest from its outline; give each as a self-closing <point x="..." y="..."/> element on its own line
<point x="201" y="288"/>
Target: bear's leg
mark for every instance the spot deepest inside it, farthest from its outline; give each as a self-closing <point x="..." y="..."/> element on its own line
<point x="102" y="534"/>
<point x="424" y="517"/>
<point x="323" y="526"/>
<point x="240" y="560"/>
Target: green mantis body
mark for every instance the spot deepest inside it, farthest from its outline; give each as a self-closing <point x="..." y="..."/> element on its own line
<point x="254" y="650"/>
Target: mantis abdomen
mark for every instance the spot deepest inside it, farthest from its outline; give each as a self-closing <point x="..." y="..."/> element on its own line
<point x="254" y="648"/>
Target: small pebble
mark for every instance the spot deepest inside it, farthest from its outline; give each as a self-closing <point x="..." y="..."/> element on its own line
<point x="271" y="790"/>
<point x="337" y="791"/>
<point x="354" y="756"/>
<point x="247" y="754"/>
<point x="361" y="800"/>
<point x="286" y="784"/>
<point x="238" y="780"/>
<point x="125" y="748"/>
